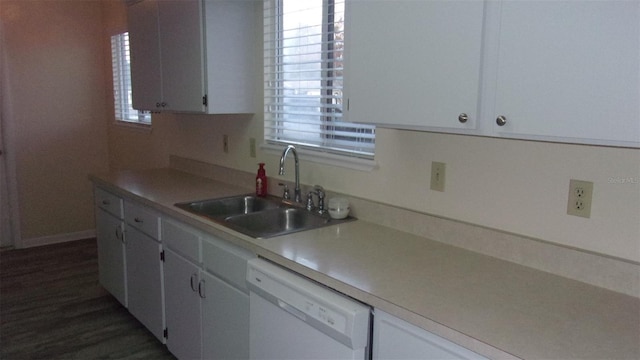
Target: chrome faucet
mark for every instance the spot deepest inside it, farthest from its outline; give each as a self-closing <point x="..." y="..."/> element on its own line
<point x="296" y="192"/>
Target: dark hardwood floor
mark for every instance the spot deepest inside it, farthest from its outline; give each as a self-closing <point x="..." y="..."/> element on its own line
<point x="52" y="307"/>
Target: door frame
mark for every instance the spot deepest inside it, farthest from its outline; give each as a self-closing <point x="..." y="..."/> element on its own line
<point x="8" y="178"/>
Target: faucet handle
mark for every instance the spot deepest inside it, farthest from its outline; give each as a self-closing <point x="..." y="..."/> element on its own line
<point x="285" y="193"/>
<point x="319" y="190"/>
<point x="310" y="205"/>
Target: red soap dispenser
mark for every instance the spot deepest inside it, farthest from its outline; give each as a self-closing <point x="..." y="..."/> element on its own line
<point x="261" y="181"/>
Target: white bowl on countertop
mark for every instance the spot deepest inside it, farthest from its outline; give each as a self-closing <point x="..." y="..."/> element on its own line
<point x="338" y="208"/>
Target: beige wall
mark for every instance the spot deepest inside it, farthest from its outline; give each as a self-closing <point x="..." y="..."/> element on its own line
<point x="55" y="71"/>
<point x="512" y="185"/>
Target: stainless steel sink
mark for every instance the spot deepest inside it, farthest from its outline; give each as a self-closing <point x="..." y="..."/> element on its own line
<point x="260" y="218"/>
<point x="228" y="206"/>
<point x="274" y="222"/>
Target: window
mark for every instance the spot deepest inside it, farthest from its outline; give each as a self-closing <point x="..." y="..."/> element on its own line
<point x="303" y="45"/>
<point x="122" y="82"/>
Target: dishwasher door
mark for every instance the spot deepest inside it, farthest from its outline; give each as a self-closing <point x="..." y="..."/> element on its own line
<point x="293" y="318"/>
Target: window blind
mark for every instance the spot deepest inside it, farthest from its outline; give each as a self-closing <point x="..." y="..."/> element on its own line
<point x="120" y="62"/>
<point x="303" y="72"/>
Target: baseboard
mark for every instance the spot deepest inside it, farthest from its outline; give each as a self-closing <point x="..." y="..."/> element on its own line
<point x="59" y="238"/>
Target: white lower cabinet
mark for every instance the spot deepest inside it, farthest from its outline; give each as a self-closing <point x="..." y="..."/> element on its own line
<point x="225" y="320"/>
<point x="111" y="259"/>
<point x="186" y="287"/>
<point x="225" y="307"/>
<point x="397" y="339"/>
<point x="206" y="317"/>
<point x="144" y="280"/>
<point x="190" y="289"/>
<point x="111" y="247"/>
<point x="206" y="299"/>
<point x="182" y="306"/>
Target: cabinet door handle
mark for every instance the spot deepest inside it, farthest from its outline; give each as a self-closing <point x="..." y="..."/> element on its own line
<point x="119" y="234"/>
<point x="201" y="289"/>
<point x="138" y="220"/>
<point x="463" y="118"/>
<point x="501" y="120"/>
<point x="106" y="202"/>
<point x="194" y="278"/>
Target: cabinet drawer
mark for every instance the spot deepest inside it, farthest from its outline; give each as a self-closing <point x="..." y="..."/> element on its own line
<point x="142" y="218"/>
<point x="227" y="261"/>
<point x="182" y="239"/>
<point x="108" y="202"/>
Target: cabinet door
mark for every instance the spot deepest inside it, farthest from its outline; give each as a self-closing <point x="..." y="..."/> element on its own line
<point x="413" y="64"/>
<point x="144" y="46"/>
<point x="144" y="281"/>
<point x="230" y="58"/>
<point x="182" y="306"/>
<point x="570" y="70"/>
<point x="111" y="254"/>
<point x="181" y="38"/>
<point x="396" y="339"/>
<point x="225" y="320"/>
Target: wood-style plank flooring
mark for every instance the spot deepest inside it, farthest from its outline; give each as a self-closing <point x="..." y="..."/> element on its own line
<point x="52" y="307"/>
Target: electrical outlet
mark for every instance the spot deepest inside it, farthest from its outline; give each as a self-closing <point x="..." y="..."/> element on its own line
<point x="580" y="195"/>
<point x="252" y="147"/>
<point x="437" y="175"/>
<point x="225" y="143"/>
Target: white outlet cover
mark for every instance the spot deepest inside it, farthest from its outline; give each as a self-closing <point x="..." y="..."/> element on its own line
<point x="579" y="199"/>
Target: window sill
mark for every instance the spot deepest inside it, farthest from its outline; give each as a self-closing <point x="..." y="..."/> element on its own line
<point x="324" y="158"/>
<point x="146" y="128"/>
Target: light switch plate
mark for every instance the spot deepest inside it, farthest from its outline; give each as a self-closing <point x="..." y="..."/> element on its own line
<point x="437" y="175"/>
<point x="252" y="147"/>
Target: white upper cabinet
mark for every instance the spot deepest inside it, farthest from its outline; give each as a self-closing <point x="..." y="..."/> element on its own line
<point x="565" y="71"/>
<point x="192" y="55"/>
<point x="182" y="55"/>
<point x="411" y="64"/>
<point x="569" y="71"/>
<point x="144" y="47"/>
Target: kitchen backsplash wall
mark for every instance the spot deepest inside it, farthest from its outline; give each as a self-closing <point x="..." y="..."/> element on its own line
<point x="514" y="186"/>
<point x="603" y="271"/>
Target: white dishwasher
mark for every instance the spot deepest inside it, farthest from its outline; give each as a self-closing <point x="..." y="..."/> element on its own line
<point x="293" y="318"/>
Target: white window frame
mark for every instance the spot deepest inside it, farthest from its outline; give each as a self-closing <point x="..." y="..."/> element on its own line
<point x="327" y="145"/>
<point x="121" y="66"/>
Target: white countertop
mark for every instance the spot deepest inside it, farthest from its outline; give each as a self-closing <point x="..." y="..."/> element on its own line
<point x="492" y="306"/>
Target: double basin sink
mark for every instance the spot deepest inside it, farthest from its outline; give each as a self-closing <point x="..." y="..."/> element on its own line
<point x="259" y="217"/>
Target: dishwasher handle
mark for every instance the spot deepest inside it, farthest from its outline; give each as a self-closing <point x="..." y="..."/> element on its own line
<point x="292" y="310"/>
